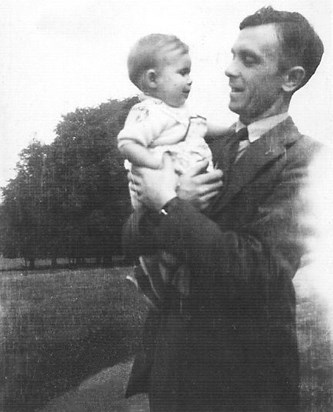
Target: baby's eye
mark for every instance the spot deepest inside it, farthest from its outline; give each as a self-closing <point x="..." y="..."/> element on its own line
<point x="184" y="72"/>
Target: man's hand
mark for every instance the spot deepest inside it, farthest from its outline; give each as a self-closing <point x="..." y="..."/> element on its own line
<point x="198" y="187"/>
<point x="154" y="187"/>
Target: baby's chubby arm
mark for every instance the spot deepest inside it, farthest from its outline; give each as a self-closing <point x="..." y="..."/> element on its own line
<point x="139" y="155"/>
<point x="143" y="126"/>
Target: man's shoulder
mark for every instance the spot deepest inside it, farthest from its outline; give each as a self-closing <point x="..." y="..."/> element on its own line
<point x="302" y="155"/>
<point x="307" y="146"/>
<point x="289" y="135"/>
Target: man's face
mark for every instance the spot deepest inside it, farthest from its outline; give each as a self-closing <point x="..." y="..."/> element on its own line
<point x="254" y="77"/>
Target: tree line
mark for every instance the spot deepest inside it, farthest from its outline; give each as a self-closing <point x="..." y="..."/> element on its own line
<point x="69" y="198"/>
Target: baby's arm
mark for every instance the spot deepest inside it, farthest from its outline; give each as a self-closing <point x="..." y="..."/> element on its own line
<point x="139" y="155"/>
<point x="216" y="129"/>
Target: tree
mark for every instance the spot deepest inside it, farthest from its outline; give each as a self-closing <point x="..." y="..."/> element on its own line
<point x="23" y="217"/>
<point x="70" y="198"/>
<point x="88" y="171"/>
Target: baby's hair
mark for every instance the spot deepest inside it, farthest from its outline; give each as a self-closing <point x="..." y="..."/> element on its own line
<point x="147" y="53"/>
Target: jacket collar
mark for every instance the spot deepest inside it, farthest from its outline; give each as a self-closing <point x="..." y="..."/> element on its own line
<point x="262" y="126"/>
<point x="270" y="146"/>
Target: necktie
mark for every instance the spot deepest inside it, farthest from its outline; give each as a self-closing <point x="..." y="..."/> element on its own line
<point x="240" y="136"/>
<point x="237" y="137"/>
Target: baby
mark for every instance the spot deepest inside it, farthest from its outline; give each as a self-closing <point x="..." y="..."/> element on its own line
<point x="160" y="65"/>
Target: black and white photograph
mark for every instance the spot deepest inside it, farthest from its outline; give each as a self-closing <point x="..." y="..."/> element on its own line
<point x="184" y="266"/>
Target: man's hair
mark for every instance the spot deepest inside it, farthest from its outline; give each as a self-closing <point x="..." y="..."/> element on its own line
<point x="147" y="53"/>
<point x="300" y="44"/>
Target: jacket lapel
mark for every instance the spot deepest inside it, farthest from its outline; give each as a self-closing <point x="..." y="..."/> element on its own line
<point x="222" y="151"/>
<point x="270" y="146"/>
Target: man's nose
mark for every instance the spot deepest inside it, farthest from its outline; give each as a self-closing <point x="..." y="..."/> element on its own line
<point x="189" y="81"/>
<point x="232" y="69"/>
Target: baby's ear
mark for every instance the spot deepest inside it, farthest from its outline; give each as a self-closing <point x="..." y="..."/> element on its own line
<point x="150" y="78"/>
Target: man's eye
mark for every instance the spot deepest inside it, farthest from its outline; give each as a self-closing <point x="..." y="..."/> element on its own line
<point x="184" y="72"/>
<point x="249" y="60"/>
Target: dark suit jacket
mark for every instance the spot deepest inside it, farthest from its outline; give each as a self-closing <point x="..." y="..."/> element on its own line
<point x="231" y="346"/>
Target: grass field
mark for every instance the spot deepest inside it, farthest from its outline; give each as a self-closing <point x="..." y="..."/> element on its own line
<point x="59" y="327"/>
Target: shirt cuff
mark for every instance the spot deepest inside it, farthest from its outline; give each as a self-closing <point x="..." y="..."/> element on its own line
<point x="168" y="206"/>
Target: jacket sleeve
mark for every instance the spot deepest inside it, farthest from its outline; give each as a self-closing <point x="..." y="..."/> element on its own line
<point x="258" y="254"/>
<point x="138" y="237"/>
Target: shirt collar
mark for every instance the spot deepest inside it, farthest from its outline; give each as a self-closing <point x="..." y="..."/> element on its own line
<point x="260" y="127"/>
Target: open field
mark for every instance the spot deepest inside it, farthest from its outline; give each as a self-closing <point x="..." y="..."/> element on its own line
<point x="60" y="328"/>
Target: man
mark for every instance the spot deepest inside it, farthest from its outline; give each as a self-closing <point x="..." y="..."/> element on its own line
<point x="231" y="346"/>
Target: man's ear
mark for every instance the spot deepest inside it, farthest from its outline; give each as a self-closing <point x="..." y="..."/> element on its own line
<point x="150" y="77"/>
<point x="293" y="78"/>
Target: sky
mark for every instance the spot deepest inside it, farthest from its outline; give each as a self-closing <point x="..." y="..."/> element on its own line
<point x="63" y="54"/>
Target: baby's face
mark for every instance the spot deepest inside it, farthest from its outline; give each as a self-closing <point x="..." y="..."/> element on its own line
<point x="173" y="82"/>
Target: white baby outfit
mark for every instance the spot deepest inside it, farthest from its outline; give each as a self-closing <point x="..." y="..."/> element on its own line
<point x="163" y="128"/>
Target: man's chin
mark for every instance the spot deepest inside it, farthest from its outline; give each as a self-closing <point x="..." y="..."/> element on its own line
<point x="234" y="108"/>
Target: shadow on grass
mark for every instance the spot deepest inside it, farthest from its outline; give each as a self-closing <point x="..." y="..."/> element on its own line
<point x="60" y="328"/>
